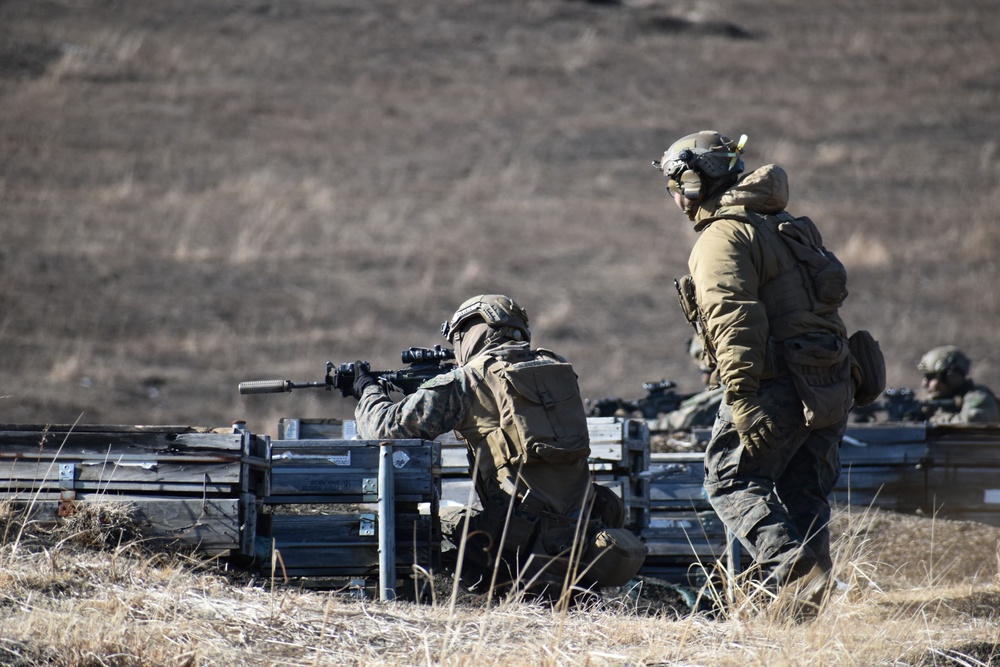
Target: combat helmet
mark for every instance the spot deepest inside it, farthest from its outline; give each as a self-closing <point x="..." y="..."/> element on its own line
<point x="943" y="360"/>
<point x="497" y="310"/>
<point x="695" y="165"/>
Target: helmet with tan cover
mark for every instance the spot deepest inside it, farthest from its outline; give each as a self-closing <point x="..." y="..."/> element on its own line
<point x="699" y="161"/>
<point x="497" y="310"/>
<point x="943" y="360"/>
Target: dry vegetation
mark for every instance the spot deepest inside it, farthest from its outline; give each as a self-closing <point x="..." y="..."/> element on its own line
<point x="89" y="593"/>
<point x="194" y="194"/>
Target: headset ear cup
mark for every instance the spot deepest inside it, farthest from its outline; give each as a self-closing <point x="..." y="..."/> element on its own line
<point x="690" y="184"/>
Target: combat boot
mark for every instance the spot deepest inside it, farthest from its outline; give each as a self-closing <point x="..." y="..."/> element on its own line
<point x="802" y="598"/>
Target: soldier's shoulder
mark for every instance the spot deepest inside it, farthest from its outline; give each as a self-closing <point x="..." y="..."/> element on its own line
<point x="456" y="376"/>
<point x="980" y="393"/>
<point x="549" y="354"/>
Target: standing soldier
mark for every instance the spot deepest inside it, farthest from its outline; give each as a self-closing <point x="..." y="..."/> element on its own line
<point x="543" y="523"/>
<point x="764" y="295"/>
<point x="946" y="379"/>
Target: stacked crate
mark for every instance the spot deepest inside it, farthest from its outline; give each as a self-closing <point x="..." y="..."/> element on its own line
<point x="320" y="517"/>
<point x="685" y="536"/>
<point x="190" y="485"/>
<point x="619" y="459"/>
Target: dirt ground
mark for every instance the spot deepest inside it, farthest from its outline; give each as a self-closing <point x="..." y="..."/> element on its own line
<point x="199" y="194"/>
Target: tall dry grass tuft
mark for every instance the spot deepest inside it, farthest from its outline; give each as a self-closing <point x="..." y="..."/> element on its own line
<point x="79" y="594"/>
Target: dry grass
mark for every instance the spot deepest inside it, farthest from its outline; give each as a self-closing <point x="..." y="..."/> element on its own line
<point x="78" y="594"/>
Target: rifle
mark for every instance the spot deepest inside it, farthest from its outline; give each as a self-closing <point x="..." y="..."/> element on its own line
<point x="660" y="398"/>
<point x="899" y="405"/>
<point x="424" y="364"/>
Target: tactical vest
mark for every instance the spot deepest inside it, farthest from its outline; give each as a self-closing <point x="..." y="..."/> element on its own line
<point x="817" y="282"/>
<point x="541" y="414"/>
<point x="810" y="280"/>
<point x="813" y="281"/>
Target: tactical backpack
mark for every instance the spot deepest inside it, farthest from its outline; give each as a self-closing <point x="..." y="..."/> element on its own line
<point x="829" y="284"/>
<point x="820" y="364"/>
<point x="542" y="418"/>
<point x="827" y="274"/>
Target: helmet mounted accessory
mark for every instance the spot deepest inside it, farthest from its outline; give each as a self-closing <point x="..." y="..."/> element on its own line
<point x="498" y="311"/>
<point x="694" y="159"/>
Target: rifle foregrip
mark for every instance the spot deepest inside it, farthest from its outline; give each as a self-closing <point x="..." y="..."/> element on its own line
<point x="265" y="387"/>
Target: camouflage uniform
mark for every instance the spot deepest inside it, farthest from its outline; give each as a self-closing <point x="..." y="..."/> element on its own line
<point x="974" y="404"/>
<point x="451" y="402"/>
<point x="533" y="511"/>
<point x="768" y="480"/>
<point x="696" y="411"/>
<point x="946" y="369"/>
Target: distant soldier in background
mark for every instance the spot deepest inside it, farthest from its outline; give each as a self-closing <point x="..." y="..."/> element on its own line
<point x="521" y="414"/>
<point x="699" y="410"/>
<point x="946" y="377"/>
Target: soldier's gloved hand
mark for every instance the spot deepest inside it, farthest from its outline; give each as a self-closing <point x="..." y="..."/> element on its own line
<point x="362" y="378"/>
<point x="757" y="430"/>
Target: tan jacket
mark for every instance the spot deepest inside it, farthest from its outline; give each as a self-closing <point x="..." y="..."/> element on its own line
<point x="737" y="254"/>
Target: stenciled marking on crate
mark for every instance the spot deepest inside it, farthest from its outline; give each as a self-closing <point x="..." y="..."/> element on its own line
<point x="336" y="459"/>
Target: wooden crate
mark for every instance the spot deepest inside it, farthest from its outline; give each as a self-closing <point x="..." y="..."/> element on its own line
<point x="618" y="443"/>
<point x="962" y="466"/>
<point x="676" y="482"/>
<point x="883" y="466"/>
<point x="120" y="459"/>
<point x="341" y="545"/>
<point x="291" y="428"/>
<point x="190" y="484"/>
<point x="615" y="443"/>
<point x="211" y="525"/>
<point x="684" y="545"/>
<point x="346" y="471"/>
<point x="321" y="513"/>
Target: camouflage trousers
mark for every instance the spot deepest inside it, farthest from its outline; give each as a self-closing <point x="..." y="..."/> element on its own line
<point x="536" y="554"/>
<point x="777" y="505"/>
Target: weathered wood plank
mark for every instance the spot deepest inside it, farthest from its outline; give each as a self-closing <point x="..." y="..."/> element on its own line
<point x="349" y="485"/>
<point x="46" y="444"/>
<point x="353" y="454"/>
<point x="306" y="543"/>
<point x="697" y="534"/>
<point x="886" y="434"/>
<point x="347" y="470"/>
<point x="854" y="452"/>
<point x="211" y="524"/>
<point x="454" y="460"/>
<point x="112" y="472"/>
<point x="113" y="428"/>
<point x="19" y="488"/>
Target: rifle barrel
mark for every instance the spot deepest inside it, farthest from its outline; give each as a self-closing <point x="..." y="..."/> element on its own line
<point x="275" y="386"/>
<point x="265" y="387"/>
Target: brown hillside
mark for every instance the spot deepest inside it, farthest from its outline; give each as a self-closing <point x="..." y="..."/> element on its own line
<point x="195" y="194"/>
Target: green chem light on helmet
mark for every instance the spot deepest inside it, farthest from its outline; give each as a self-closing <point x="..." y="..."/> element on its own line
<point x="739" y="149"/>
